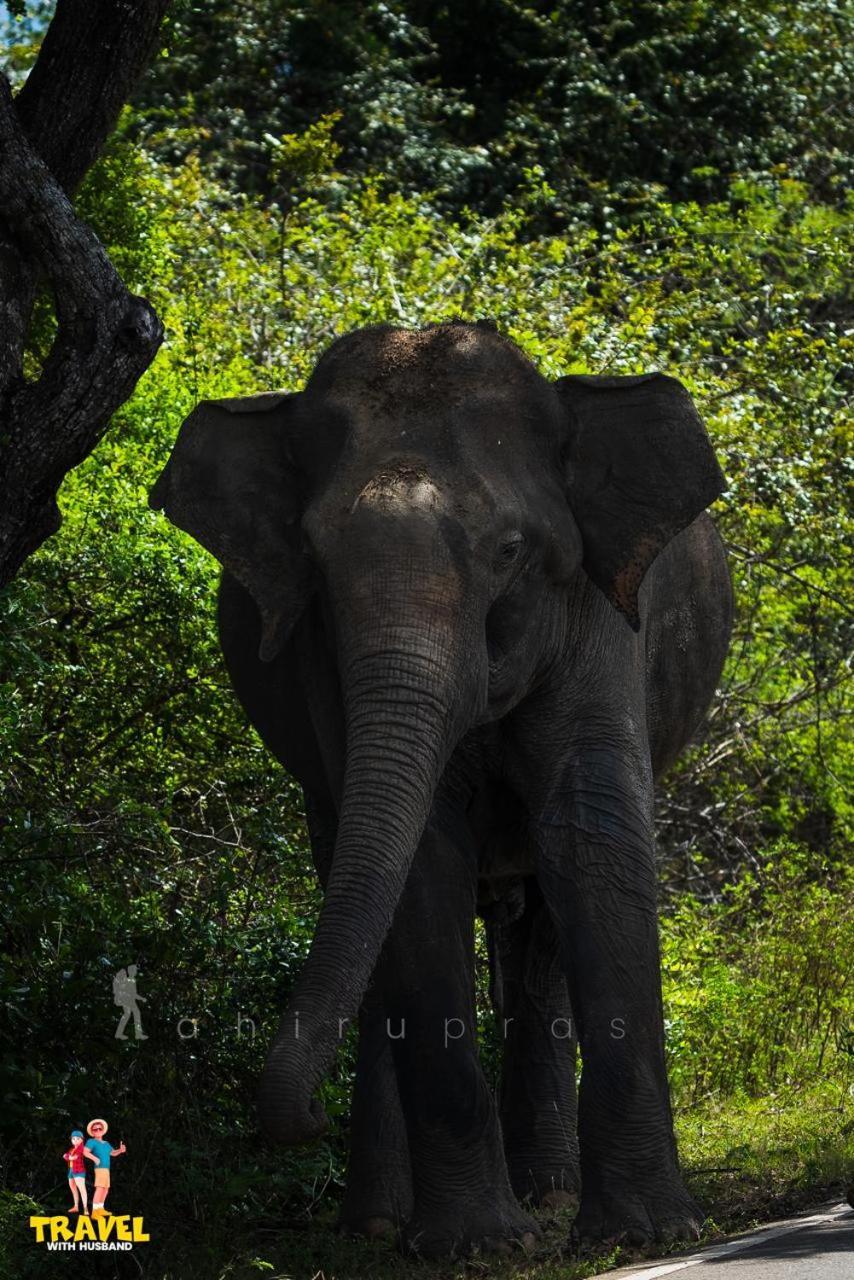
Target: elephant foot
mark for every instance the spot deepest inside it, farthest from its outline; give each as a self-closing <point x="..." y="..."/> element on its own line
<point x="497" y="1230"/>
<point x="636" y="1213"/>
<point x="377" y="1200"/>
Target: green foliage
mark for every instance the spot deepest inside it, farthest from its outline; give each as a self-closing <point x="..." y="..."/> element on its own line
<point x="756" y="988"/>
<point x="615" y="105"/>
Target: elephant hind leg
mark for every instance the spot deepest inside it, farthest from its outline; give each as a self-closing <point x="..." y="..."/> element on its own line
<point x="538" y="1093"/>
<point x="378" y="1192"/>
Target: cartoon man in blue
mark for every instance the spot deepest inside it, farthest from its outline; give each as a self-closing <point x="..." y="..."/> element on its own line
<point x="103" y="1151"/>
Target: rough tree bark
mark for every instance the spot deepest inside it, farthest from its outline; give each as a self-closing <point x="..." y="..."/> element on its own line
<point x="50" y="134"/>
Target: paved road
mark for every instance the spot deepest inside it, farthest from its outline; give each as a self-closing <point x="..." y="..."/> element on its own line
<point x="816" y="1246"/>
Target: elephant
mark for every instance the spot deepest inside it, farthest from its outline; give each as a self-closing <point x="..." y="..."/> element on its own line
<point x="475" y="613"/>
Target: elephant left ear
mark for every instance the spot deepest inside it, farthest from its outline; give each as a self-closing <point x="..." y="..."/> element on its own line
<point x="232" y="483"/>
<point x="639" y="468"/>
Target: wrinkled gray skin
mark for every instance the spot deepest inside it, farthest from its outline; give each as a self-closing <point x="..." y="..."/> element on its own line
<point x="432" y="612"/>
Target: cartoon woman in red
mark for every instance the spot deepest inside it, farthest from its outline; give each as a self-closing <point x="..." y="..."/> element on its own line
<point x="77" y="1171"/>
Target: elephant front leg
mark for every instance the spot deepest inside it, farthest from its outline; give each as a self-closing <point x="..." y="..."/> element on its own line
<point x="461" y="1191"/>
<point x="538" y="1095"/>
<point x="597" y="873"/>
<point x="378" y="1188"/>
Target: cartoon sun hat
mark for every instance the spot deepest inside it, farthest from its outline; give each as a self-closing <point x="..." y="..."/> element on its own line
<point x="96" y="1121"/>
<point x="76" y="1133"/>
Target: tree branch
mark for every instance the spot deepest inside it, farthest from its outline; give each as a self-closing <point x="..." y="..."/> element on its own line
<point x="106" y="340"/>
<point x="91" y="57"/>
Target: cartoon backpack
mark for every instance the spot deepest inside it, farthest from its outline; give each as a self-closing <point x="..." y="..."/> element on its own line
<point x="123" y="992"/>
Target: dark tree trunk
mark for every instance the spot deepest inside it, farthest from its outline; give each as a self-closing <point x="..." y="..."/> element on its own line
<point x="91" y="57"/>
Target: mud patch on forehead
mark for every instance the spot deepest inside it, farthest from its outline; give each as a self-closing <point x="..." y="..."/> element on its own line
<point x="402" y="347"/>
<point x="400" y="486"/>
<point x="388" y="368"/>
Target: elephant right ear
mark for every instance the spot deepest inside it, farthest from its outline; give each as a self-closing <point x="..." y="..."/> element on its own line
<point x="230" y="482"/>
<point x="640" y="467"/>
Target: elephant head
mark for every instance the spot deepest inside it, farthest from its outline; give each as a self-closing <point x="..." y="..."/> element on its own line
<point x="448" y="504"/>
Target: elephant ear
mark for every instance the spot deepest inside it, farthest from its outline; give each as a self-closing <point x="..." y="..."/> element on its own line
<point x="640" y="468"/>
<point x="231" y="483"/>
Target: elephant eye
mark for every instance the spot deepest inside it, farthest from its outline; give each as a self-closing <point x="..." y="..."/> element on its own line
<point x="510" y="548"/>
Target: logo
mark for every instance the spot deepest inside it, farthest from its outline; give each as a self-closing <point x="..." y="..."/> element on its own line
<point x="104" y="1232"/>
<point x="80" y="1227"/>
<point x="128" y="998"/>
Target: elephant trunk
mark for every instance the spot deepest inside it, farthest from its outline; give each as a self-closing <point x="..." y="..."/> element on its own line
<point x="408" y="692"/>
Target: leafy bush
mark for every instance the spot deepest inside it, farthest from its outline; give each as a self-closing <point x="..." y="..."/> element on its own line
<point x="756" y="988"/>
<point x="614" y="105"/>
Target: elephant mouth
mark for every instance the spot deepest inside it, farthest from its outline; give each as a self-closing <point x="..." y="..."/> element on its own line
<point x="501" y="677"/>
<point x="497" y="666"/>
